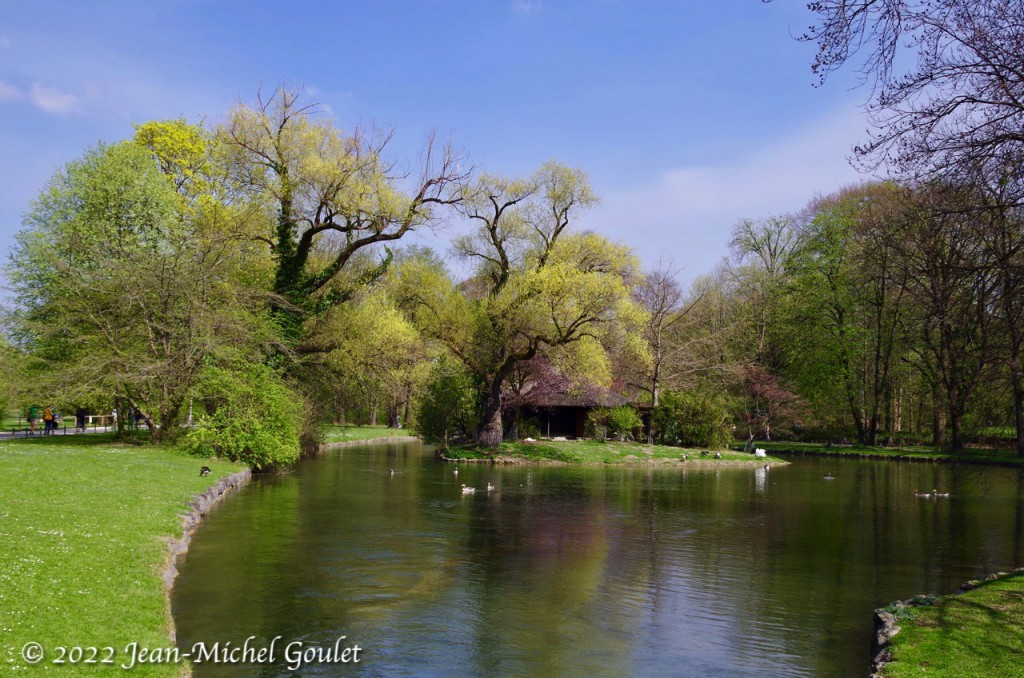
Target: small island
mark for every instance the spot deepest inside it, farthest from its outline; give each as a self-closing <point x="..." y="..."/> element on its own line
<point x="629" y="453"/>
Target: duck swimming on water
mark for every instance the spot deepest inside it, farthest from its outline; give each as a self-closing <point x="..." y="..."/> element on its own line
<point x="468" y="490"/>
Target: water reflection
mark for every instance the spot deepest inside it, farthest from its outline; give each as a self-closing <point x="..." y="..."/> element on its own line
<point x="587" y="571"/>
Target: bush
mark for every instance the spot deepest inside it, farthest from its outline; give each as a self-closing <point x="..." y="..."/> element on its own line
<point x="447" y="410"/>
<point x="691" y="419"/>
<point x="617" y="422"/>
<point x="253" y="418"/>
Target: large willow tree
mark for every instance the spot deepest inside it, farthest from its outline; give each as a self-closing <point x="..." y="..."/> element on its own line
<point x="537" y="289"/>
<point x="335" y="198"/>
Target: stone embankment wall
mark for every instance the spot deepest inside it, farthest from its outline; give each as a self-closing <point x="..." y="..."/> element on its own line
<point x="190" y="522"/>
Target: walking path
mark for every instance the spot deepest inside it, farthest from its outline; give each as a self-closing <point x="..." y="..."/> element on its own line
<point x="63" y="431"/>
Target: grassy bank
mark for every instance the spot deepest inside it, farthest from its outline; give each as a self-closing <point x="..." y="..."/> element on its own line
<point x="596" y="452"/>
<point x="340" y="434"/>
<point x="914" y="453"/>
<point x="84" y="522"/>
<point x="978" y="633"/>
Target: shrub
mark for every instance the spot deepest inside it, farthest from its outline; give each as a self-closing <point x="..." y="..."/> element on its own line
<point x="691" y="419"/>
<point x="253" y="418"/>
<point x="614" y="421"/>
<point x="447" y="409"/>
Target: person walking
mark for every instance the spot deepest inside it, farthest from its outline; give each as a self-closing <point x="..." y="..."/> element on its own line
<point x="80" y="414"/>
<point x="48" y="421"/>
<point x="33" y="417"/>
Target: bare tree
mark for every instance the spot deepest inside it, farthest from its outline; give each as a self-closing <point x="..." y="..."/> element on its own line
<point x="659" y="293"/>
<point x="958" y="103"/>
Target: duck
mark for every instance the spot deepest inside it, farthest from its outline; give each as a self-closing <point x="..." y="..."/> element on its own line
<point x="936" y="493"/>
<point x="718" y="455"/>
<point x="828" y="476"/>
<point x="456" y="471"/>
<point x="490" y="487"/>
<point x="766" y="467"/>
<point x="924" y="495"/>
<point x="391" y="472"/>
<point x="468" y="490"/>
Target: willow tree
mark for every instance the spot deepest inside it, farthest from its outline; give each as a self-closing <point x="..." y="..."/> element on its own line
<point x="334" y="196"/>
<point x="537" y="290"/>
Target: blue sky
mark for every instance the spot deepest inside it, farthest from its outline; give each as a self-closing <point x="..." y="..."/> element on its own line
<point x="688" y="115"/>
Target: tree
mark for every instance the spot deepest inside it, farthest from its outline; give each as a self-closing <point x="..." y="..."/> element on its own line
<point x="123" y="291"/>
<point x="765" y="403"/>
<point x="942" y="247"/>
<point x="335" y="197"/>
<point x="959" y="100"/>
<point x="849" y="285"/>
<point x="667" y="307"/>
<point x="378" y="354"/>
<point x="763" y="251"/>
<point x="537" y="289"/>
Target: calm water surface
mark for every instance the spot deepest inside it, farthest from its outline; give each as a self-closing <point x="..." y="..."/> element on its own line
<point x="586" y="571"/>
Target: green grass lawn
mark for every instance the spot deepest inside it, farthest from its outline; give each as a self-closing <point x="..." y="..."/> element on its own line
<point x="84" y="523"/>
<point x="970" y="455"/>
<point x="597" y="452"/>
<point x="979" y="633"/>
<point x="338" y="434"/>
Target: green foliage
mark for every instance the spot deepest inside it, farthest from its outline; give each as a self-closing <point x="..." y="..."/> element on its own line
<point x="256" y="419"/>
<point x="617" y="422"/>
<point x="447" y="408"/>
<point x="691" y="419"/>
<point x="123" y="293"/>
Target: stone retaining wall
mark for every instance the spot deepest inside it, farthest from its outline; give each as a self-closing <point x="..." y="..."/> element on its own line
<point x="190" y="522"/>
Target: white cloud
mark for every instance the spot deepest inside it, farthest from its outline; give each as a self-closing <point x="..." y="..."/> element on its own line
<point x="687" y="213"/>
<point x="9" y="92"/>
<point x="51" y="99"/>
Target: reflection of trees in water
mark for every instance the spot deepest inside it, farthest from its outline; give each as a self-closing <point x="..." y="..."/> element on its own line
<point x="572" y="571"/>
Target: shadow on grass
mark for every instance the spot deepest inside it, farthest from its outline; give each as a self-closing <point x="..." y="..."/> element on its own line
<point x="979" y="633"/>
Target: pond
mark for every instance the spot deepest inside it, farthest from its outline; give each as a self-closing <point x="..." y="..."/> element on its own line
<point x="569" y="571"/>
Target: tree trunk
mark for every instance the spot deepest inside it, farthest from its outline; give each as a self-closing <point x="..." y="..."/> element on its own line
<point x="1018" y="414"/>
<point x="373" y="414"/>
<point x="871" y="438"/>
<point x="490" y="431"/>
<point x="956" y="441"/>
<point x="938" y="418"/>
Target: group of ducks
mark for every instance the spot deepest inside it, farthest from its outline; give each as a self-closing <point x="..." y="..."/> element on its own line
<point x="930" y="495"/>
<point x="465" y="489"/>
<point x="471" y="490"/>
<point x="923" y="495"/>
